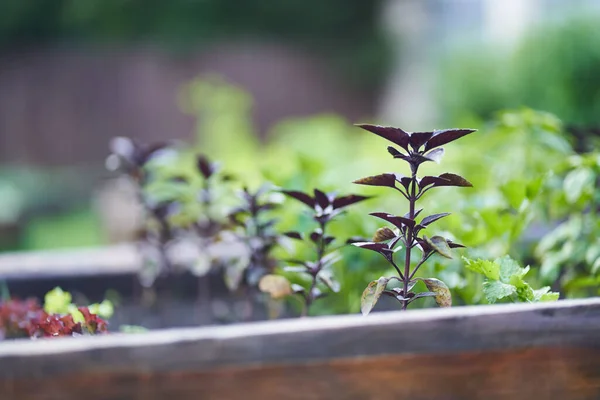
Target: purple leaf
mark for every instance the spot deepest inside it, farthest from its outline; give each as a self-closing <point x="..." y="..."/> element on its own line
<point x="395" y="135"/>
<point x="432" y="218"/>
<point x="418" y="139"/>
<point x="388" y="180"/>
<point x="417" y="212"/>
<point x="442" y="137"/>
<point x="380" y="248"/>
<point x="404" y="181"/>
<point x="453" y="245"/>
<point x="267" y="207"/>
<point x="395" y="220"/>
<point x="432" y="180"/>
<point x="455" y="180"/>
<point x="204" y="166"/>
<point x="300" y="196"/>
<point x="345" y="201"/>
<point x="293" y="235"/>
<point x="315" y="236"/>
<point x="446" y="179"/>
<point x="394" y="152"/>
<point x="424" y="245"/>
<point x="321" y="198"/>
<point x="356" y="239"/>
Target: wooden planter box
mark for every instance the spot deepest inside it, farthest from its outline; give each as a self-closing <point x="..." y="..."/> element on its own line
<point x="524" y="351"/>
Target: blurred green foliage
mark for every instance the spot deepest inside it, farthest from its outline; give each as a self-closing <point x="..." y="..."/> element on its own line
<point x="521" y="163"/>
<point x="39" y="202"/>
<point x="554" y="68"/>
<point x="76" y="228"/>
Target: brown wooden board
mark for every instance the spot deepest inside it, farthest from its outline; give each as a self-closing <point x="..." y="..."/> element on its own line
<point x="540" y="351"/>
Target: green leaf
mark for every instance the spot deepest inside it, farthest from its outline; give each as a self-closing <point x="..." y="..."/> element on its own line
<point x="489" y="269"/>
<point x="105" y="309"/>
<point x="525" y="292"/>
<point x="593" y="253"/>
<point x="496" y="290"/>
<point x="544" y="294"/>
<point x="440" y="245"/>
<point x="552" y="296"/>
<point x="534" y="187"/>
<point x="372" y="294"/>
<point x="515" y="192"/>
<point x="596" y="266"/>
<point x="76" y="314"/>
<point x="509" y="268"/>
<point x="576" y="182"/>
<point x="57" y="301"/>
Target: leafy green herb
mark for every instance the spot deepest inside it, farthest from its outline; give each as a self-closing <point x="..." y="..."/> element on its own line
<point x="504" y="280"/>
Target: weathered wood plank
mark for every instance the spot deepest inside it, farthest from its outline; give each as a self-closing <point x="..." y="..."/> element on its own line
<point x="539" y="373"/>
<point x="109" y="260"/>
<point x="548" y="350"/>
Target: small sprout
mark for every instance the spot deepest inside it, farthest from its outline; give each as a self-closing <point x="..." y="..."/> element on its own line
<point x="324" y="207"/>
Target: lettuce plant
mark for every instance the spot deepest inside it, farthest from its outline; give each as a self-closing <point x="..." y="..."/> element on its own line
<point x="324" y="208"/>
<point x="415" y="149"/>
<point x="57" y="317"/>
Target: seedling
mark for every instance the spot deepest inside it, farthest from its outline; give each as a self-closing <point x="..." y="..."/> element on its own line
<point x="324" y="207"/>
<point x="256" y="231"/>
<point x="416" y="149"/>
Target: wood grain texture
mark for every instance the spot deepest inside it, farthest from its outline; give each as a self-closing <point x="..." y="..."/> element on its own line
<point x="545" y="351"/>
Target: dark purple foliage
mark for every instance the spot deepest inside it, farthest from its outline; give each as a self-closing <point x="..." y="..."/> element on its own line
<point x="324" y="207"/>
<point x="417" y="148"/>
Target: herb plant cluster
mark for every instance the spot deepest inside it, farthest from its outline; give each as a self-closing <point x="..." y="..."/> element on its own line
<point x="324" y="208"/>
<point x="416" y="149"/>
<point x="187" y="201"/>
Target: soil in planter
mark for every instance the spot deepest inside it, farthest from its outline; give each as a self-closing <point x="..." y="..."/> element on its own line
<point x="180" y="300"/>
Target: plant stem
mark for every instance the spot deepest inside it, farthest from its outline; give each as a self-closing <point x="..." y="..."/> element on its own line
<point x="409" y="235"/>
<point x="320" y="253"/>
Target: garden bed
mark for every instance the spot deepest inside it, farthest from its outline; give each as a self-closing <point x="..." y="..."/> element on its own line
<point x="177" y="300"/>
<point x="546" y="350"/>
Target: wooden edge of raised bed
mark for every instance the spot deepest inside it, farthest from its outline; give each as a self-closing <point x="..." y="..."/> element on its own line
<point x="568" y="323"/>
<point x="520" y="351"/>
<point x="98" y="261"/>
